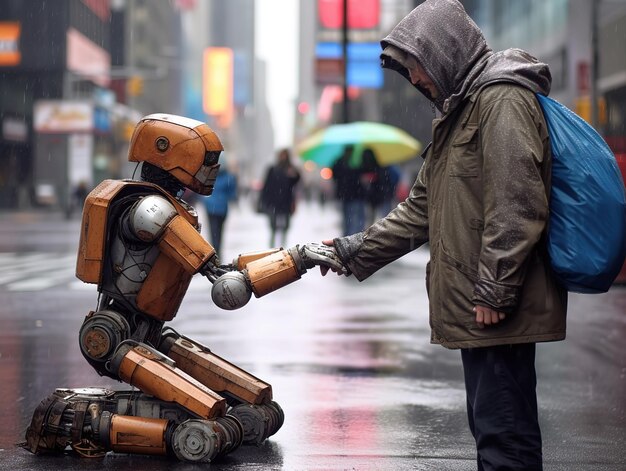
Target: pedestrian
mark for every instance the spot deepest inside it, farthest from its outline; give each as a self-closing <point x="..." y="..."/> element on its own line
<point x="77" y="198"/>
<point x="349" y="191"/>
<point x="216" y="205"/>
<point x="380" y="191"/>
<point x="481" y="202"/>
<point x="278" y="199"/>
<point x="370" y="182"/>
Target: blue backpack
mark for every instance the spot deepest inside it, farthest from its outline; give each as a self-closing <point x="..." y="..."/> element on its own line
<point x="587" y="227"/>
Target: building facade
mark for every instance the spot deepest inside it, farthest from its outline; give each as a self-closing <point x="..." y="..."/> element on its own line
<point x="66" y="107"/>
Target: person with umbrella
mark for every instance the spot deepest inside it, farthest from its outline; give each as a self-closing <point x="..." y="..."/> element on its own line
<point x="481" y="202"/>
<point x="350" y="189"/>
<point x="390" y="145"/>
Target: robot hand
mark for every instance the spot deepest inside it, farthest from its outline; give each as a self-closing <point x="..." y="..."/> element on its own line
<point x="323" y="255"/>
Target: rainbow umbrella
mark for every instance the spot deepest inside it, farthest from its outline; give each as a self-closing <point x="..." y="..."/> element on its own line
<point x="390" y="144"/>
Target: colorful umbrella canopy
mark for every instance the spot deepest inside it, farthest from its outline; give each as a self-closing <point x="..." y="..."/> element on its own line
<point x="390" y="144"/>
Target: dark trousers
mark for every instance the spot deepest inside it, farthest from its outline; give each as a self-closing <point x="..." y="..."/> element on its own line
<point x="279" y="223"/>
<point x="502" y="406"/>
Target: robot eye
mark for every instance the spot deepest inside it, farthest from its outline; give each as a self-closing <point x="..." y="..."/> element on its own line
<point x="211" y="158"/>
<point x="162" y="143"/>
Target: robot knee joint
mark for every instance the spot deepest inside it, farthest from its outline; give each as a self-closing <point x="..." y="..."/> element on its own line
<point x="100" y="335"/>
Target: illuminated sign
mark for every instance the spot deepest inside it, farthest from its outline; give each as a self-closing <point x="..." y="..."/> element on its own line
<point x="363" y="70"/>
<point x="217" y="83"/>
<point x="362" y="14"/>
<point x="9" y="44"/>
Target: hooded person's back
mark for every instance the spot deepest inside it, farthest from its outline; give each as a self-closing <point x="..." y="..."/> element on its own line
<point x="452" y="50"/>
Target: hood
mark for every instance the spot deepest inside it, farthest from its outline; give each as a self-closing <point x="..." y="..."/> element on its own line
<point x="455" y="55"/>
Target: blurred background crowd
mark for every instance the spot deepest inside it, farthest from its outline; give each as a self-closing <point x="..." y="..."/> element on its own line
<point x="268" y="77"/>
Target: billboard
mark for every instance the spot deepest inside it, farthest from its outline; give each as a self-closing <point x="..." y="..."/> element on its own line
<point x="63" y="116"/>
<point x="10" y="43"/>
<point x="362" y="14"/>
<point x="363" y="50"/>
<point x="217" y="82"/>
<point x="363" y="71"/>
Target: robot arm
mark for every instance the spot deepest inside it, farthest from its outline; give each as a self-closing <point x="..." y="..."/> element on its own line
<point x="263" y="272"/>
<point x="155" y="219"/>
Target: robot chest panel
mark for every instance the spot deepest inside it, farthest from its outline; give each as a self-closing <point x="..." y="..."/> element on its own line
<point x="131" y="266"/>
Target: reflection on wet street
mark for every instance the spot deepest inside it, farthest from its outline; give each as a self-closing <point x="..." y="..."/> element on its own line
<point x="350" y="364"/>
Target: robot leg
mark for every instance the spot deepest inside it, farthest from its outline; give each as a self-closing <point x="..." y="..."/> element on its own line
<point x="250" y="398"/>
<point x="93" y="421"/>
<point x="153" y="373"/>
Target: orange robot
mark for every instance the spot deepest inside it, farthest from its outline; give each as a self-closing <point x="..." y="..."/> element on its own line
<point x="141" y="244"/>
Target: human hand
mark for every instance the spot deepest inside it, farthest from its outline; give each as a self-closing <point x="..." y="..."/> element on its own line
<point x="329" y="243"/>
<point x="487" y="316"/>
<point x="322" y="255"/>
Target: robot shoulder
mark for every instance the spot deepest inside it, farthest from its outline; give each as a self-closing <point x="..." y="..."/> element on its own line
<point x="149" y="216"/>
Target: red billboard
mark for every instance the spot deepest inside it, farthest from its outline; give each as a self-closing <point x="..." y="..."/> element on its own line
<point x="362" y="14"/>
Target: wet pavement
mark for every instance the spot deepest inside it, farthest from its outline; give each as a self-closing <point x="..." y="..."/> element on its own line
<point x="349" y="362"/>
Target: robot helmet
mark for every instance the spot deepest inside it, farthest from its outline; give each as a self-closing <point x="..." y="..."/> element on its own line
<point x="185" y="148"/>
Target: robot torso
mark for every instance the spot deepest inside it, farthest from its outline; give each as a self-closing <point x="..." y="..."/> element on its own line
<point x="122" y="247"/>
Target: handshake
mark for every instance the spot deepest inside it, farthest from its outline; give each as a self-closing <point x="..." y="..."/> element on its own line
<point x="323" y="255"/>
<point x="260" y="274"/>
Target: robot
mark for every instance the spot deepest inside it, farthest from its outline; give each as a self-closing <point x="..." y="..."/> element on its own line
<point x="141" y="244"/>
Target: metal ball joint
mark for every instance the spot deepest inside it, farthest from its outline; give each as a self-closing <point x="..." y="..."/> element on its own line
<point x="231" y="291"/>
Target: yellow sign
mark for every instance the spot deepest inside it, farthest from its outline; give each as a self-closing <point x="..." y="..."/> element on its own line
<point x="217" y="83"/>
<point x="134" y="86"/>
<point x="9" y="44"/>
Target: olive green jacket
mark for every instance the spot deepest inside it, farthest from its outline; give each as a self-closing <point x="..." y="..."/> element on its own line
<point x="481" y="200"/>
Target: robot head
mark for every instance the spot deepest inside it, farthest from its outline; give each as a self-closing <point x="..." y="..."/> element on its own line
<point x="186" y="149"/>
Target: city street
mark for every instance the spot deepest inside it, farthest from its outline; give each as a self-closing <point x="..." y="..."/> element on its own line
<point x="350" y="363"/>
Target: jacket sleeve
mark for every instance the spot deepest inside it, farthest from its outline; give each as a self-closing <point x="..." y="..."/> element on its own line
<point x="404" y="229"/>
<point x="515" y="199"/>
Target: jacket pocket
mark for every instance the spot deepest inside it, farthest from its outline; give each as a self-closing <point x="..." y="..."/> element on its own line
<point x="468" y="271"/>
<point x="463" y="159"/>
<point x="457" y="281"/>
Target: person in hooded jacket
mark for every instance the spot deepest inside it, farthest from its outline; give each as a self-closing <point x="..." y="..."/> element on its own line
<point x="481" y="202"/>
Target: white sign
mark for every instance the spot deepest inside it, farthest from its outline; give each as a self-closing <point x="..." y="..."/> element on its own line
<point x="63" y="116"/>
<point x="14" y="129"/>
<point x="80" y="150"/>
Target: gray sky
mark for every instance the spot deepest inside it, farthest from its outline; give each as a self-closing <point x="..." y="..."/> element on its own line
<point x="277" y="44"/>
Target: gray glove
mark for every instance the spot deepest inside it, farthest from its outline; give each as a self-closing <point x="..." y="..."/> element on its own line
<point x="323" y="255"/>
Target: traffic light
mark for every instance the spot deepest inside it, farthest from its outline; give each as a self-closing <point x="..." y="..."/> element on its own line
<point x="134" y="86"/>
